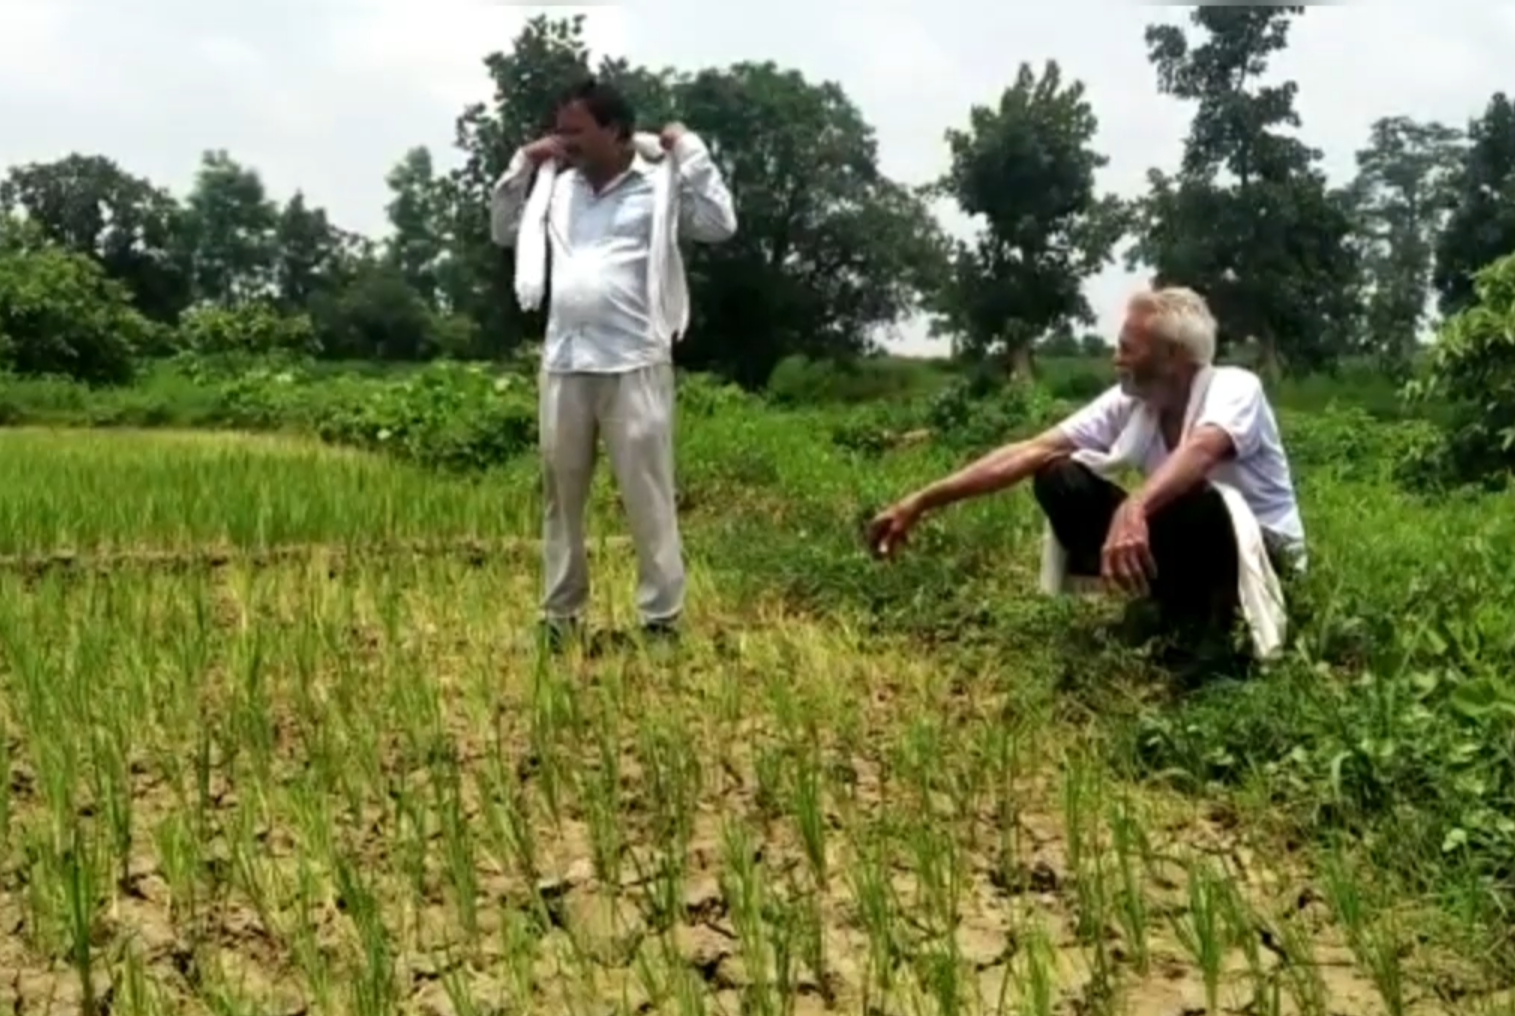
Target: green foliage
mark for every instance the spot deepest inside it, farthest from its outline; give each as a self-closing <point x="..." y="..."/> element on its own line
<point x="1026" y="167"/>
<point x="378" y="315"/>
<point x="449" y="416"/>
<point x="134" y="230"/>
<point x="61" y="314"/>
<point x="827" y="247"/>
<point x="969" y="416"/>
<point x="252" y="329"/>
<point x="1472" y="368"/>
<point x="976" y="417"/>
<point x="1393" y="725"/>
<point x="1348" y="442"/>
<point x="703" y="395"/>
<point x="800" y="381"/>
<point x="1399" y="203"/>
<point x="1249" y="220"/>
<point x="1481" y="224"/>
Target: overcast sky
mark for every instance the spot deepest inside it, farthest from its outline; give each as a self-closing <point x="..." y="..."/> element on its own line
<point x="326" y="95"/>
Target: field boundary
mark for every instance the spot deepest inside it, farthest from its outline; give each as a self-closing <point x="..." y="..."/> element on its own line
<point x="476" y="552"/>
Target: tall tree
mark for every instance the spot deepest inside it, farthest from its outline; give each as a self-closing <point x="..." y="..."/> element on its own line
<point x="230" y="227"/>
<point x="1248" y="219"/>
<point x="308" y="251"/>
<point x="1400" y="198"/>
<point x="1481" y="227"/>
<point x="418" y="217"/>
<point x="90" y="205"/>
<point x="1025" y="168"/>
<point x="828" y="249"/>
<point x="61" y="313"/>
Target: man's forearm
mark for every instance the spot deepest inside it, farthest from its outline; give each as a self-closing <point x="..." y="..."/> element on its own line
<point x="706" y="211"/>
<point x="1001" y="468"/>
<point x="507" y="200"/>
<point x="1184" y="470"/>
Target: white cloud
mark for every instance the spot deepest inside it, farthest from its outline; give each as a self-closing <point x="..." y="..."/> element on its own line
<point x="30" y="35"/>
<point x="325" y="95"/>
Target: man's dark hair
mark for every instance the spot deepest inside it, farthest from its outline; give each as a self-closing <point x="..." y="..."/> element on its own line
<point x="605" y="103"/>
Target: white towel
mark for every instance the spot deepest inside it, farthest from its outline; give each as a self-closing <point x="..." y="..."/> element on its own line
<point x="668" y="293"/>
<point x="1258" y="587"/>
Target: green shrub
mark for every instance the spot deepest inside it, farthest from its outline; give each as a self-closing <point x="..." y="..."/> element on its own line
<point x="975" y="416"/>
<point x="800" y="381"/>
<point x="448" y="416"/>
<point x="1472" y="371"/>
<point x="705" y="395"/>
<point x="246" y="331"/>
<point x="60" y="314"/>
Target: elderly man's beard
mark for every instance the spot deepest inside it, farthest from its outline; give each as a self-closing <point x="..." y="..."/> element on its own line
<point x="1138" y="386"/>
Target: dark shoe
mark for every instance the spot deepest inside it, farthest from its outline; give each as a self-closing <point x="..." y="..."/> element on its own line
<point x="661" y="631"/>
<point x="651" y="633"/>
<point x="1195" y="655"/>
<point x="1141" y="622"/>
<point x="558" y="635"/>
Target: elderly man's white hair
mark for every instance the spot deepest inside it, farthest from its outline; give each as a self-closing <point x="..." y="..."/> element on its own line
<point x="1179" y="315"/>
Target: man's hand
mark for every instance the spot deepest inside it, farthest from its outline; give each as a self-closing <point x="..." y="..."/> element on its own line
<point x="543" y="149"/>
<point x="1127" y="559"/>
<point x="670" y="135"/>
<point x="891" y="527"/>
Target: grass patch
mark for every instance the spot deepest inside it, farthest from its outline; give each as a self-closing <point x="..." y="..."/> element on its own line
<point x="285" y="746"/>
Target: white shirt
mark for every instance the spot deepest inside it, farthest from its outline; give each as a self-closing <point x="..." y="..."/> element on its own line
<point x="599" y="320"/>
<point x="1236" y="403"/>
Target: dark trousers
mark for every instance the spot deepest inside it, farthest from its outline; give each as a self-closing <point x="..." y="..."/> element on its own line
<point x="1191" y="539"/>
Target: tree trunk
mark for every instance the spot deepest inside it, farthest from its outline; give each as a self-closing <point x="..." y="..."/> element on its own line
<point x="1269" y="364"/>
<point x="1022" y="366"/>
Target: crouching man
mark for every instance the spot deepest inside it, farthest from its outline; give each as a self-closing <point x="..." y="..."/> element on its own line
<point x="1214" y="518"/>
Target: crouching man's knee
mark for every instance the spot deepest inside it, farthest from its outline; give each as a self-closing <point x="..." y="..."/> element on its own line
<point x="1059" y="480"/>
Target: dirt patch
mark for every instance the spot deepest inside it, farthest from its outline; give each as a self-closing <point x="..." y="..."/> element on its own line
<point x="299" y="787"/>
<point x="335" y="556"/>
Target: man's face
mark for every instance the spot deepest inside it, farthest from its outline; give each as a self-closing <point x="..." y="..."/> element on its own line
<point x="586" y="142"/>
<point x="1141" y="361"/>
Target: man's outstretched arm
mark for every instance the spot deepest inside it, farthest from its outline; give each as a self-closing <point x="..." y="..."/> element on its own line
<point x="1000" y="469"/>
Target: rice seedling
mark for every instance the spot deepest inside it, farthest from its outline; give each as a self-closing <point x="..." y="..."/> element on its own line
<point x="285" y="749"/>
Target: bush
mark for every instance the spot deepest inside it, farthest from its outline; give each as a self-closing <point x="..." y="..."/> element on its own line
<point x="705" y="395"/>
<point x="379" y="315"/>
<point x="969" y="417"/>
<point x="448" y="416"/>
<point x="1348" y="442"/>
<point x="977" y="415"/>
<point x="60" y="314"/>
<point x="1472" y="368"/>
<point x="247" y="331"/>
<point x="800" y="381"/>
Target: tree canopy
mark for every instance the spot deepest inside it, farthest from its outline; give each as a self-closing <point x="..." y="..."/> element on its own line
<point x="831" y="251"/>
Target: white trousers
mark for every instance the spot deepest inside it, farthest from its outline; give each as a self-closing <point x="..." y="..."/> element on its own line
<point x="634" y="413"/>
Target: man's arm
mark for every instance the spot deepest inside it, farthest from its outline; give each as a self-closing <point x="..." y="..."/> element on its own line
<point x="1204" y="449"/>
<point x="1227" y="427"/>
<point x="706" y="211"/>
<point x="508" y="200"/>
<point x="1001" y="468"/>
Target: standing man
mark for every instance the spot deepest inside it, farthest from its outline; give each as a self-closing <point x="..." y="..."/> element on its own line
<point x="607" y="364"/>
<point x="1215" y="475"/>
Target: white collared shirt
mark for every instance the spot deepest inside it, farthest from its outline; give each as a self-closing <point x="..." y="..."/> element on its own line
<point x="599" y="319"/>
<point x="1237" y="404"/>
